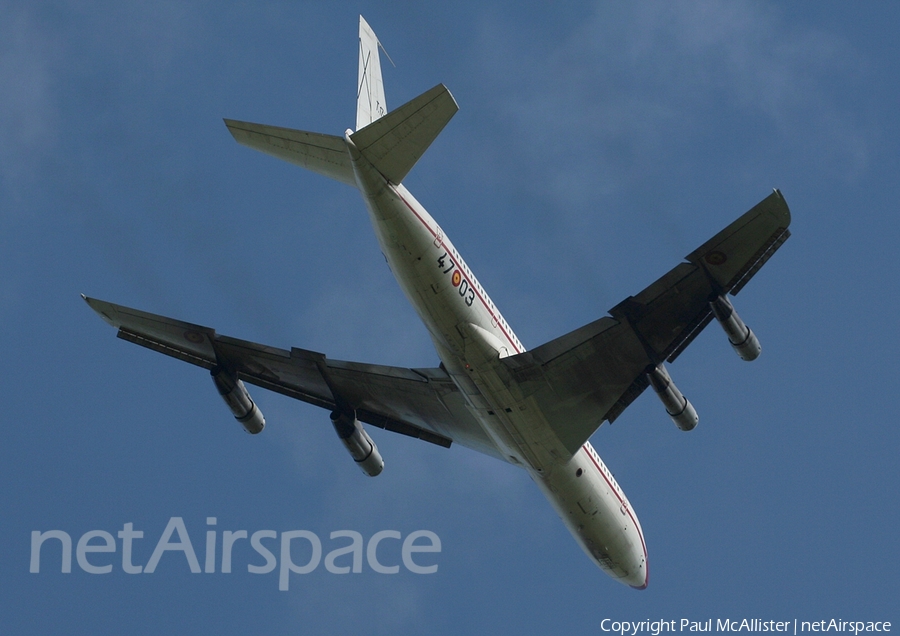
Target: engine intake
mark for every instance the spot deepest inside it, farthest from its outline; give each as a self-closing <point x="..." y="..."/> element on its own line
<point x="677" y="406"/>
<point x="238" y="400"/>
<point x="742" y="339"/>
<point x="358" y="443"/>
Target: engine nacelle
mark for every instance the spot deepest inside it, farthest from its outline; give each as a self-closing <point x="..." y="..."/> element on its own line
<point x="238" y="400"/>
<point x="742" y="339"/>
<point x="358" y="443"/>
<point x="677" y="406"/>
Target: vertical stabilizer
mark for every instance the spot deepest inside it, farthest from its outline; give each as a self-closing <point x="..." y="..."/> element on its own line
<point x="370" y="104"/>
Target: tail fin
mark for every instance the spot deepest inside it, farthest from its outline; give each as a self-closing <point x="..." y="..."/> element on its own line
<point x="370" y="104"/>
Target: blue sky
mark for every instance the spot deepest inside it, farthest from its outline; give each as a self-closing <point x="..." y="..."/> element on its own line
<point x="596" y="145"/>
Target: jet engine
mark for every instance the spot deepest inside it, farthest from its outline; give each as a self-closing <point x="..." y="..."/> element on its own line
<point x="358" y="443"/>
<point x="742" y="339"/>
<point x="238" y="400"/>
<point x="677" y="406"/>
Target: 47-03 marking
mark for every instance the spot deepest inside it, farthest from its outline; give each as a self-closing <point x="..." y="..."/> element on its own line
<point x="462" y="285"/>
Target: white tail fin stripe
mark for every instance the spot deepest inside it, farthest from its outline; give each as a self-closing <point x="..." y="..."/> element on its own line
<point x="370" y="102"/>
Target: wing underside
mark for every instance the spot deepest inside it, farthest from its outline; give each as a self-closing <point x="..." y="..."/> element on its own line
<point x="421" y="403"/>
<point x="593" y="373"/>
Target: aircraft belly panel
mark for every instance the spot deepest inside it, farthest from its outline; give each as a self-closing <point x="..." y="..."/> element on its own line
<point x="599" y="516"/>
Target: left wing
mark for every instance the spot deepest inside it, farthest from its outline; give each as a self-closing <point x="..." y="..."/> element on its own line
<point x="421" y="403"/>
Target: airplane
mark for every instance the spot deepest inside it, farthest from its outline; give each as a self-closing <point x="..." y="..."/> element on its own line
<point x="533" y="408"/>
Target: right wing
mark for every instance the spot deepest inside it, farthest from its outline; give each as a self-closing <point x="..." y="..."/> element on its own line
<point x="593" y="373"/>
<point x="421" y="403"/>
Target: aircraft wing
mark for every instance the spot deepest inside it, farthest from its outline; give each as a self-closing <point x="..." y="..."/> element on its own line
<point x="593" y="373"/>
<point x="421" y="403"/>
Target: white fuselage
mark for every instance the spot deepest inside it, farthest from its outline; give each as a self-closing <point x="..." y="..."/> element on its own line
<point x="471" y="337"/>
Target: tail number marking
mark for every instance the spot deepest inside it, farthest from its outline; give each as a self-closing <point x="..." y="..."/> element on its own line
<point x="465" y="290"/>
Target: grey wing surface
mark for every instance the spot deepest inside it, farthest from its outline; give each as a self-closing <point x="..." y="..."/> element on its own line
<point x="421" y="403"/>
<point x="592" y="374"/>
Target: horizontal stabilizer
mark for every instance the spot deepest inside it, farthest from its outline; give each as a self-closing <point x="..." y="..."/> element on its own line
<point x="394" y="143"/>
<point x="325" y="154"/>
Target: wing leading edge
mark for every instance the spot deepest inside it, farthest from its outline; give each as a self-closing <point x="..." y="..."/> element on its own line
<point x="420" y="403"/>
<point x="592" y="374"/>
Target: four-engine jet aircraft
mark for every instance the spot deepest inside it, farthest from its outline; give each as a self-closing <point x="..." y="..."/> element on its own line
<point x="535" y="409"/>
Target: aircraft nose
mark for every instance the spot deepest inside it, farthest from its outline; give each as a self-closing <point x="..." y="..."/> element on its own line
<point x="638" y="573"/>
<point x="639" y="578"/>
<point x="629" y="564"/>
<point x="638" y="567"/>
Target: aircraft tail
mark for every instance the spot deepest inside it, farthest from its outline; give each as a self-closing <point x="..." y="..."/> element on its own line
<point x="370" y="102"/>
<point x="392" y="142"/>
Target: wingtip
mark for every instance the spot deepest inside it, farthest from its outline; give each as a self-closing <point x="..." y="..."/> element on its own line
<point x="233" y="126"/>
<point x="785" y="211"/>
<point x="105" y="310"/>
<point x="92" y="302"/>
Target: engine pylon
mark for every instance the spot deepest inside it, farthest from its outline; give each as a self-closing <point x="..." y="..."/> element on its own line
<point x="238" y="400"/>
<point x="358" y="443"/>
<point x="740" y="336"/>
<point x="677" y="406"/>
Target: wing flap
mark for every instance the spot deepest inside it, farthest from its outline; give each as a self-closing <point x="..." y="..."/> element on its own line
<point x="161" y="346"/>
